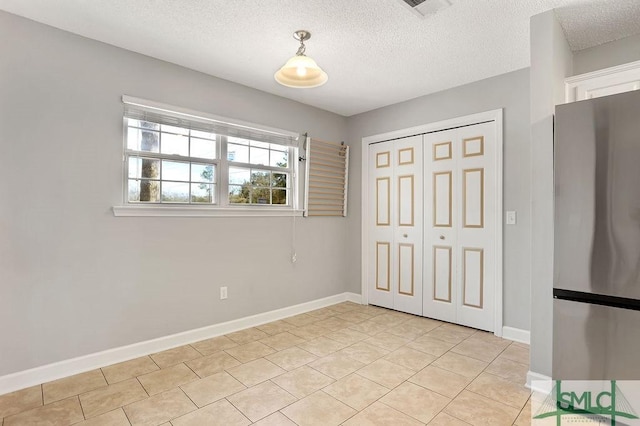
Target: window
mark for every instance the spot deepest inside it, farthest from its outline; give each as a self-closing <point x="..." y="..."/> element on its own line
<point x="188" y="159"/>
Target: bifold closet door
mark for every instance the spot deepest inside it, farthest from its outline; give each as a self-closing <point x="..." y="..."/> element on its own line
<point x="396" y="232"/>
<point x="460" y="171"/>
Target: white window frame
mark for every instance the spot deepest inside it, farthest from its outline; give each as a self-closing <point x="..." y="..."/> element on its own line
<point x="222" y="207"/>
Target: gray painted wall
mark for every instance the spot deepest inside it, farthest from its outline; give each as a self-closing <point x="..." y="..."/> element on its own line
<point x="551" y="63"/>
<point x="607" y="55"/>
<point x="508" y="91"/>
<point x="74" y="278"/>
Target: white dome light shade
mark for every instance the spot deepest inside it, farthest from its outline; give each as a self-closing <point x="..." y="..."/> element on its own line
<point x="301" y="72"/>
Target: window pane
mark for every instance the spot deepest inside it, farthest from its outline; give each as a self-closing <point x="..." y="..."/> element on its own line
<point x="144" y="168"/>
<point x="143" y="140"/>
<point x="203" y="148"/>
<point x="202" y="193"/>
<point x="259" y="156"/>
<point x="260" y="178"/>
<point x="173" y="129"/>
<point x="279" y="159"/>
<point x="238" y="176"/>
<point x="175" y="192"/>
<point x="260" y="196"/>
<point x="239" y="153"/>
<point x="143" y="124"/>
<point x="204" y="135"/>
<point x="203" y="172"/>
<point x="144" y="190"/>
<point x="238" y="194"/>
<point x="174" y="170"/>
<point x="279" y="196"/>
<point x="175" y="144"/>
<point x="279" y="180"/>
<point x="260" y="144"/>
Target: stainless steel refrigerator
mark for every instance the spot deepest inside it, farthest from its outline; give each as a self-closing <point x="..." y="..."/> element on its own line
<point x="596" y="306"/>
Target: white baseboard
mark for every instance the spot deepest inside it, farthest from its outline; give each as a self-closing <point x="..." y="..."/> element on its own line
<point x="49" y="372"/>
<point x="516" y="334"/>
<point x="538" y="382"/>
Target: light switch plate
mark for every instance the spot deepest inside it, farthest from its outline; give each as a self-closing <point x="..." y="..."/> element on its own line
<point x="511" y="217"/>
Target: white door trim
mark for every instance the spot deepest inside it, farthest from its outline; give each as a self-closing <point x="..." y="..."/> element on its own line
<point x="494" y="115"/>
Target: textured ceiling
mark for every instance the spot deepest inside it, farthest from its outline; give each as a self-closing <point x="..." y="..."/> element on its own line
<point x="376" y="52"/>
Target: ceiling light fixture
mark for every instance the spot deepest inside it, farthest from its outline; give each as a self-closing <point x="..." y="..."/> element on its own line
<point x="301" y="71"/>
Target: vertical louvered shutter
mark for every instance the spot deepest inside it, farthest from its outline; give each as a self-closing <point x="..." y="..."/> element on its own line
<point x="327" y="178"/>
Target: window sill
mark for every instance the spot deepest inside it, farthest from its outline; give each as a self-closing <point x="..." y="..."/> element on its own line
<point x="190" y="211"/>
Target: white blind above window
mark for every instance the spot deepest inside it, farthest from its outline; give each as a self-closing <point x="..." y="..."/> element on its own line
<point x="141" y="109"/>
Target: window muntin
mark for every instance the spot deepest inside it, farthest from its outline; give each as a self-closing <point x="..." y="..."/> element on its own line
<point x="175" y="165"/>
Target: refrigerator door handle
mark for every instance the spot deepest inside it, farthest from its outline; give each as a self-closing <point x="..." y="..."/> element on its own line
<point x="597" y="299"/>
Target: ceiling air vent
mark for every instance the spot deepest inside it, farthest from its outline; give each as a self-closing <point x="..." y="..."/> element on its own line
<point x="426" y="7"/>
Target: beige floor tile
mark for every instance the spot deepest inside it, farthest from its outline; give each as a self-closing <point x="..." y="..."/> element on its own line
<point x="168" y="378"/>
<point x="59" y="413"/>
<point x="322" y="346"/>
<point x="369" y="327"/>
<point x="478" y="410"/>
<point x="159" y="408"/>
<point x="386" y="373"/>
<point x="282" y="341"/>
<point x="408" y="331"/>
<point x="212" y="388"/>
<point x="114" y="396"/>
<point x="430" y="345"/>
<point x="442" y="381"/>
<point x="517" y="354"/>
<point x="416" y="401"/>
<point x="347" y="336"/>
<point x="259" y="401"/>
<point x="301" y="320"/>
<point x="212" y="364"/>
<point x="333" y="323"/>
<point x="275" y="419"/>
<point x="323" y="313"/>
<point x="410" y="358"/>
<point x="318" y="409"/>
<point x="444" y="419"/>
<point x="356" y="391"/>
<point x="220" y="413"/>
<point x="520" y="344"/>
<point x="336" y="365"/>
<point x="425" y="324"/>
<point x="73" y="385"/>
<point x="500" y="390"/>
<point x="291" y="358"/>
<point x="510" y="370"/>
<point x="175" y="356"/>
<point x="22" y="400"/>
<point x="478" y="349"/>
<point x="379" y="414"/>
<point x="129" y="369"/>
<point x="387" y="341"/>
<point x="213" y="345"/>
<point x="246" y="336"/>
<point x="389" y="319"/>
<point x="460" y="364"/>
<point x="364" y="352"/>
<point x="449" y="334"/>
<point x="250" y="351"/>
<point x="310" y="331"/>
<point x="353" y="317"/>
<point x="275" y="327"/>
<point x="524" y="418"/>
<point x="490" y="338"/>
<point x="303" y="381"/>
<point x="345" y="307"/>
<point x="255" y="372"/>
<point x="112" y="418"/>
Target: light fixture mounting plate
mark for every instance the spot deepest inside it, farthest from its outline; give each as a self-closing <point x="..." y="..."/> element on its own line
<point x="302" y="35"/>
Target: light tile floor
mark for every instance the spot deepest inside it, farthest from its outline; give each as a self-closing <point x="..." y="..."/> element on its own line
<point x="346" y="364"/>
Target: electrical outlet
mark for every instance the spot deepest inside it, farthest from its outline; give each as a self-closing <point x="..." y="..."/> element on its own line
<point x="511" y="217"/>
<point x="223" y="293"/>
<point x="294" y="257"/>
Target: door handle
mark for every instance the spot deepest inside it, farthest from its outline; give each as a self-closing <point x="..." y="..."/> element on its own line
<point x="405" y="235"/>
<point x="442" y="237"/>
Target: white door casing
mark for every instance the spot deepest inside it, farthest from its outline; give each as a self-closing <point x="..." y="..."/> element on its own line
<point x="492" y="274"/>
<point x="395" y="247"/>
